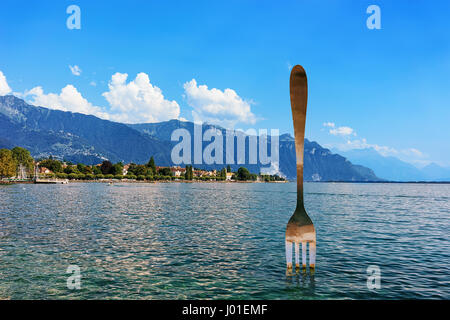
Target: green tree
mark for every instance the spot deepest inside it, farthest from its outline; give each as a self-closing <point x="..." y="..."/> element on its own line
<point x="141" y="170"/>
<point x="96" y="170"/>
<point x="7" y="164"/>
<point x="106" y="167"/>
<point x="189" y="175"/>
<point x="72" y="176"/>
<point x="82" y="168"/>
<point x="71" y="169"/>
<point x="243" y="174"/>
<point x="138" y="170"/>
<point x="151" y="164"/>
<point x="228" y="168"/>
<point x="52" y="165"/>
<point x="131" y="168"/>
<point x="61" y="175"/>
<point x="165" y="172"/>
<point x="117" y="169"/>
<point x="149" y="175"/>
<point x="223" y="173"/>
<point x="22" y="156"/>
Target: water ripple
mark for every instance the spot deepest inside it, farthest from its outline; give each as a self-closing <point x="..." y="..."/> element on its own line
<point x="221" y="241"/>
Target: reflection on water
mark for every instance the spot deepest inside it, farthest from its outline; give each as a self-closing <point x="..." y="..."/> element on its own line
<point x="224" y="241"/>
<point x="302" y="281"/>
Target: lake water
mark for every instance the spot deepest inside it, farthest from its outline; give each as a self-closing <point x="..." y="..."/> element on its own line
<point x="221" y="240"/>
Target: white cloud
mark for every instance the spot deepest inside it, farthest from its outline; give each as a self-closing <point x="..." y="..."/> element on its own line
<point x="218" y="107"/>
<point x="76" y="71"/>
<point x="134" y="102"/>
<point x="409" y="155"/>
<point x="362" y="144"/>
<point x="138" y="100"/>
<point x="93" y="83"/>
<point x="413" y="152"/>
<point x="339" y="131"/>
<point x="68" y="100"/>
<point x="4" y="87"/>
<point x="385" y="151"/>
<point x="342" y="131"/>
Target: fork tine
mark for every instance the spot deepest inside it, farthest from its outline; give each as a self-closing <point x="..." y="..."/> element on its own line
<point x="304" y="254"/>
<point x="312" y="255"/>
<point x="297" y="255"/>
<point x="289" y="254"/>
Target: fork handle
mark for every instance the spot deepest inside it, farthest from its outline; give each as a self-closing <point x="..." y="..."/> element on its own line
<point x="299" y="97"/>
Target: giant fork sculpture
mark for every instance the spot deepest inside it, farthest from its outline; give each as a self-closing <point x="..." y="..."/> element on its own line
<point x="300" y="228"/>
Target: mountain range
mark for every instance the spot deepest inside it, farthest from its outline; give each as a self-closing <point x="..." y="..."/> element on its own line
<point x="394" y="169"/>
<point x="90" y="140"/>
<point x="320" y="164"/>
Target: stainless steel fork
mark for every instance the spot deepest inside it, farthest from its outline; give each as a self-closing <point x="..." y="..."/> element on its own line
<point x="300" y="228"/>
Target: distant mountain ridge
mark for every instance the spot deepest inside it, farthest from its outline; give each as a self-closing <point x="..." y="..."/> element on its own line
<point x="88" y="139"/>
<point x="436" y="173"/>
<point x="76" y="136"/>
<point x="393" y="169"/>
<point x="320" y="164"/>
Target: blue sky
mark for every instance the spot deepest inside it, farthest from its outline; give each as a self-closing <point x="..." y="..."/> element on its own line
<point x="387" y="89"/>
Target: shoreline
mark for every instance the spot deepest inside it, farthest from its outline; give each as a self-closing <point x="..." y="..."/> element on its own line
<point x="136" y="181"/>
<point x="199" y="181"/>
<point x="381" y="182"/>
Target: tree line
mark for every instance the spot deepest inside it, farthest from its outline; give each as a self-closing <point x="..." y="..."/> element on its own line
<point x="10" y="160"/>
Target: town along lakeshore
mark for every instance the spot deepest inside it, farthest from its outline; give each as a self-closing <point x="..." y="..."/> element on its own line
<point x="17" y="166"/>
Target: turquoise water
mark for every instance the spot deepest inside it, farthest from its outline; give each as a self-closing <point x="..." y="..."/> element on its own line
<point x="221" y="241"/>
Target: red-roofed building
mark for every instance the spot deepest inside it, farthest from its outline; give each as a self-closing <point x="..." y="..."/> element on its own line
<point x="44" y="170"/>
